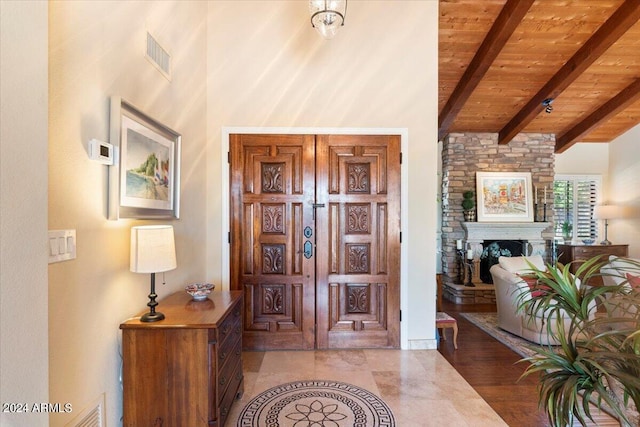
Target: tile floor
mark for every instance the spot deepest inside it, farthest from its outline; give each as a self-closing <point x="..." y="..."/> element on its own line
<point x="420" y="386"/>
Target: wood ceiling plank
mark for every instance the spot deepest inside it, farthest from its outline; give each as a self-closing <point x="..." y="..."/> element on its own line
<point x="616" y="126"/>
<point x="463" y="24"/>
<point x="591" y="90"/>
<point x="510" y="16"/>
<point x="626" y="97"/>
<point x="607" y="34"/>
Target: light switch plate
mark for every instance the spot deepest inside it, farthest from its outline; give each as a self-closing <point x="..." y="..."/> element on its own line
<point x="62" y="245"/>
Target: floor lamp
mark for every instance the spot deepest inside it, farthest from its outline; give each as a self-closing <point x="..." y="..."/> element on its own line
<point x="152" y="251"/>
<point x="606" y="212"/>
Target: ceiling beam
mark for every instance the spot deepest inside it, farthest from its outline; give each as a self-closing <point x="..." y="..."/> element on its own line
<point x="622" y="19"/>
<point x="622" y="100"/>
<point x="505" y="24"/>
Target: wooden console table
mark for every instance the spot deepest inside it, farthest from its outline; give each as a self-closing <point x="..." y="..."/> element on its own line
<point x="570" y="253"/>
<point x="184" y="370"/>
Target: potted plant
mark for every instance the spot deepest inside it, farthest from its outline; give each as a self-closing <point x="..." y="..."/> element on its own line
<point x="468" y="206"/>
<point x="567" y="229"/>
<point x="598" y="359"/>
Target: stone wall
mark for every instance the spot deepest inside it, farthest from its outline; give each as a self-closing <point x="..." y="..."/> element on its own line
<point x="460" y="294"/>
<point x="464" y="154"/>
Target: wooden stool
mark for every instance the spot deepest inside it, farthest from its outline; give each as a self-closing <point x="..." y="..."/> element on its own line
<point x="444" y="321"/>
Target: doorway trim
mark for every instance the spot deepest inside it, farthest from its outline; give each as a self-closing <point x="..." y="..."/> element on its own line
<point x="404" y="201"/>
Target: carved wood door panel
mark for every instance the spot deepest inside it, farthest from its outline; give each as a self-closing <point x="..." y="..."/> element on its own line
<point x="272" y="195"/>
<point x="358" y="246"/>
<point x="316" y="276"/>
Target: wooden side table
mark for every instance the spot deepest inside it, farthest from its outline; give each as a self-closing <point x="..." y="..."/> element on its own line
<point x="581" y="253"/>
<point x="185" y="370"/>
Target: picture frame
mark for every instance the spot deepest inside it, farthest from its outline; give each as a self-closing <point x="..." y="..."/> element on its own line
<point x="144" y="181"/>
<point x="504" y="197"/>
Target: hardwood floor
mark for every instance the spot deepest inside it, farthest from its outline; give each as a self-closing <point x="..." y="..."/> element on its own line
<point x="492" y="370"/>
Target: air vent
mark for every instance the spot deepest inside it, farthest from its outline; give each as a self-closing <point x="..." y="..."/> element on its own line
<point x="92" y="416"/>
<point x="158" y="56"/>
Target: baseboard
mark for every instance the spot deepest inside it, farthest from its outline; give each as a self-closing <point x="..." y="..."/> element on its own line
<point x="423" y="344"/>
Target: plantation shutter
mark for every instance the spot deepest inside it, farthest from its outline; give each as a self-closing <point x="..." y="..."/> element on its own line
<point x="586" y="196"/>
<point x="574" y="200"/>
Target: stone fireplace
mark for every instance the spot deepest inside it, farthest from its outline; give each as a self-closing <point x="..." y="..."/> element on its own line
<point x="518" y="238"/>
<point x="530" y="236"/>
<point x="494" y="249"/>
<point x="464" y="154"/>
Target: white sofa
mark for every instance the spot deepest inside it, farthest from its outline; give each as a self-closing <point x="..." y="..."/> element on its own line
<point x="614" y="274"/>
<point x="508" y="286"/>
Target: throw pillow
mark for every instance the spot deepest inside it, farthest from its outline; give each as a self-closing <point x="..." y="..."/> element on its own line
<point x="532" y="280"/>
<point x="634" y="281"/>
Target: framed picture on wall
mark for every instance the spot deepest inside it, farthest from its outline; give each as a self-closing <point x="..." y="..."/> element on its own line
<point x="144" y="181"/>
<point x="504" y="197"/>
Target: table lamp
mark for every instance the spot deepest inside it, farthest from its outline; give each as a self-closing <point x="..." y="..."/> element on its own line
<point x="606" y="212"/>
<point x="152" y="251"/>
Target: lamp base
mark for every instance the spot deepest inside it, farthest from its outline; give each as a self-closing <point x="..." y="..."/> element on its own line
<point x="606" y="241"/>
<point x="151" y="317"/>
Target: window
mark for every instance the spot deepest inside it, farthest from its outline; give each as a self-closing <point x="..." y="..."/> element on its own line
<point x="575" y="196"/>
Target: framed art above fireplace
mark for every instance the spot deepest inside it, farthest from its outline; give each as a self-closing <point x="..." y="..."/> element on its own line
<point x="504" y="196"/>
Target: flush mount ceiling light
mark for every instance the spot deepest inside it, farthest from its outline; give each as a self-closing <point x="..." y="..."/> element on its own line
<point x="547" y="104"/>
<point x="327" y="16"/>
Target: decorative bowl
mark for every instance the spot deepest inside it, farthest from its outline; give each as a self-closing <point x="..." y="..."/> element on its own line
<point x="199" y="291"/>
<point x="588" y="241"/>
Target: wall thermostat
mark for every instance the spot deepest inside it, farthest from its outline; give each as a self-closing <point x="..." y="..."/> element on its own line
<point x="101" y="151"/>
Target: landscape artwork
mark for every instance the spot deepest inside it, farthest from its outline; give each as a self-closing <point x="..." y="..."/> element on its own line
<point x="504" y="196"/>
<point x="147" y="168"/>
<point x="144" y="181"/>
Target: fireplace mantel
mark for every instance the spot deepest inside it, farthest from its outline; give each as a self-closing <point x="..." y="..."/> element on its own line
<point x="477" y="232"/>
<point x="534" y="234"/>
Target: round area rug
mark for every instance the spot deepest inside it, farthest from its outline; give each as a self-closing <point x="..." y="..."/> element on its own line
<point x="316" y="403"/>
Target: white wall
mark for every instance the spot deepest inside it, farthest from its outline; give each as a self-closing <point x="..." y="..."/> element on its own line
<point x="96" y="51"/>
<point x="584" y="159"/>
<point x="269" y="68"/>
<point x="624" y="189"/>
<point x="23" y="210"/>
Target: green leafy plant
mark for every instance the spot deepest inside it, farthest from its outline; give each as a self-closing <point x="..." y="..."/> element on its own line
<point x="468" y="202"/>
<point x="598" y="359"/>
<point x="567" y="228"/>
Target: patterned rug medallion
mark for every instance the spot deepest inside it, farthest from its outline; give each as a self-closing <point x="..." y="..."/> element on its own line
<point x="316" y="403"/>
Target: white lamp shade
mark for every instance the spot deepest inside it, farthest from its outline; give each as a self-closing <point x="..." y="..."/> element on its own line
<point x="607" y="212"/>
<point x="152" y="249"/>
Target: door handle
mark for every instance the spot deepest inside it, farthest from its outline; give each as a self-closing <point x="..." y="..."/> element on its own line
<point x="316" y="206"/>
<point x="308" y="249"/>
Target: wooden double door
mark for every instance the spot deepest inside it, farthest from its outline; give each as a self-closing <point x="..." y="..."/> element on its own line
<point x="315" y="240"/>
